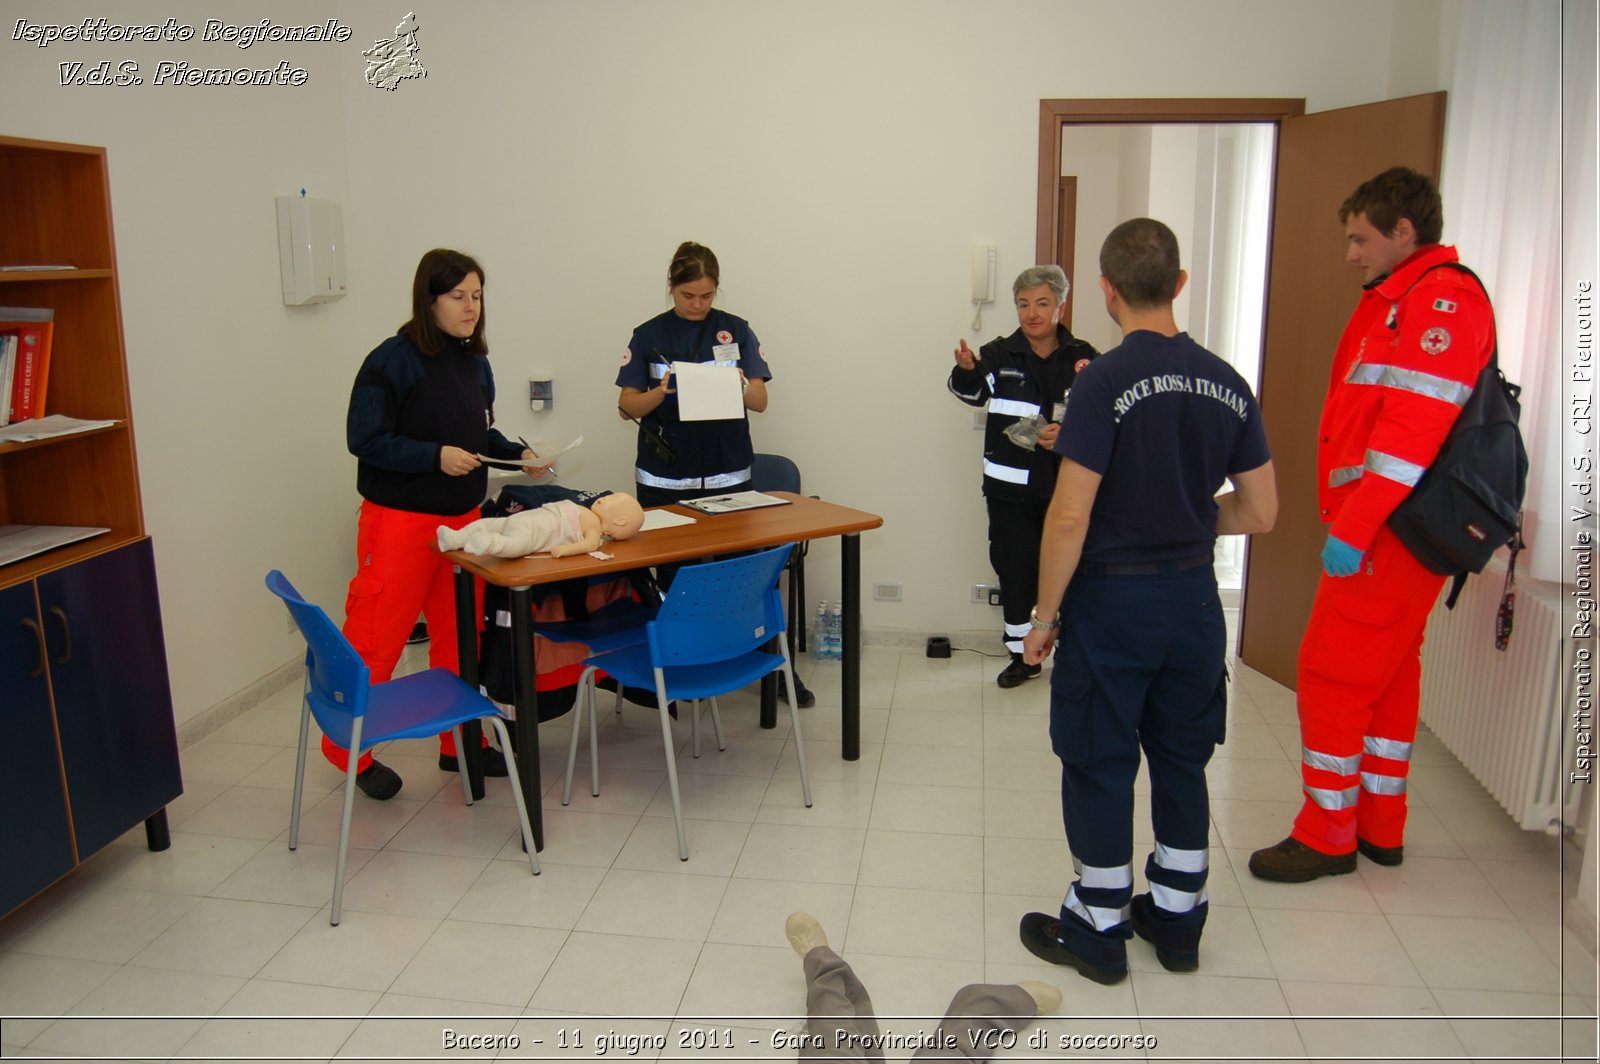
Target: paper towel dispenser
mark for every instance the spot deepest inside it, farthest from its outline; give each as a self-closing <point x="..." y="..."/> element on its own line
<point x="310" y="249"/>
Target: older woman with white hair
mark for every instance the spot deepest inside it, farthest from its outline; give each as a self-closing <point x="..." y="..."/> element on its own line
<point x="1022" y="380"/>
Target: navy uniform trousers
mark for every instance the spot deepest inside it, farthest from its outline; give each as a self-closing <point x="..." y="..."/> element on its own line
<point x="1139" y="667"/>
<point x="1016" y="527"/>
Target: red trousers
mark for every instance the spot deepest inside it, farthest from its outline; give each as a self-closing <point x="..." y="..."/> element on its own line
<point x="1359" y="679"/>
<point x="400" y="574"/>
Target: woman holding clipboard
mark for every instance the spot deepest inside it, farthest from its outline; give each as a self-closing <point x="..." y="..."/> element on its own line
<point x="679" y="460"/>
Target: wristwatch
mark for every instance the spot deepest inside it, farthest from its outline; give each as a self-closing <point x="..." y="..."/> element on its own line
<point x="1043" y="626"/>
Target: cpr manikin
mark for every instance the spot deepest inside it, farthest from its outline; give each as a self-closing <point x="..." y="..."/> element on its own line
<point x="561" y="528"/>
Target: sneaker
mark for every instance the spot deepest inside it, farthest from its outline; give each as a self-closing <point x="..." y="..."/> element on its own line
<point x="805" y="934"/>
<point x="1019" y="671"/>
<point x="1046" y="996"/>
<point x="1384" y="855"/>
<point x="1173" y="957"/>
<point x="419" y="634"/>
<point x="1292" y="861"/>
<point x="802" y="694"/>
<point x="1041" y="934"/>
<point x="378" y="781"/>
<point x="494" y="762"/>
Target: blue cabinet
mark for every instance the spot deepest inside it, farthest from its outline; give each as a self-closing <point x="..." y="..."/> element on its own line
<point x="35" y="833"/>
<point x="91" y="749"/>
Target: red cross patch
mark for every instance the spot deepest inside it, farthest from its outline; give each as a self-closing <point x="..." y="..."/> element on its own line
<point x="724" y="337"/>
<point x="1436" y="340"/>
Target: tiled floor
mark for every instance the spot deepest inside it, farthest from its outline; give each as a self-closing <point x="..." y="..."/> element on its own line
<point x="918" y="859"/>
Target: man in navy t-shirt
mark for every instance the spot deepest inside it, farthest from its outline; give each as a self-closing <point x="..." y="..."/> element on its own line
<point x="1153" y="428"/>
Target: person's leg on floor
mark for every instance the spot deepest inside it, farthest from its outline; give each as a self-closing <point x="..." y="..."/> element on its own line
<point x="981" y="1016"/>
<point x="840" y="1023"/>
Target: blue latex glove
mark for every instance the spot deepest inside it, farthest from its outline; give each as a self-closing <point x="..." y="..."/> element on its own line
<point x="1340" y="558"/>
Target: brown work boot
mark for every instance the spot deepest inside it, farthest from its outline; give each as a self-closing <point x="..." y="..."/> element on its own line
<point x="1292" y="861"/>
<point x="1384" y="855"/>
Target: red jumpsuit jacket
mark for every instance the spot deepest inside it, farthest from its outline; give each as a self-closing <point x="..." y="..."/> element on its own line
<point x="1407" y="361"/>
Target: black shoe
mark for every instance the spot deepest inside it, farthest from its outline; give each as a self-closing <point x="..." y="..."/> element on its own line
<point x="419" y="634"/>
<point x="1041" y="934"/>
<point x="378" y="781"/>
<point x="1015" y="674"/>
<point x="1173" y="958"/>
<point x="494" y="763"/>
<point x="1388" y="856"/>
<point x="1292" y="861"/>
<point x="802" y="694"/>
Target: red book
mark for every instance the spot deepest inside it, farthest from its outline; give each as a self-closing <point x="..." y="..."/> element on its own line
<point x="34" y="327"/>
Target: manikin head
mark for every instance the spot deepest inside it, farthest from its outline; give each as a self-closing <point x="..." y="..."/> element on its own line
<point x="620" y="515"/>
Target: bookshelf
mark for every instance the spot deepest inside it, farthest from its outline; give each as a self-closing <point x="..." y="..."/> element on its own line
<point x="83" y="651"/>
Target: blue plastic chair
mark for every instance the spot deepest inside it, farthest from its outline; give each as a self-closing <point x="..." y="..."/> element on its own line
<point x="620" y="624"/>
<point x="774" y="472"/>
<point x="705" y="641"/>
<point x="359" y="714"/>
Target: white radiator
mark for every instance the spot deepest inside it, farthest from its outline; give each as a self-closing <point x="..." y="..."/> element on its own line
<point x="1505" y="713"/>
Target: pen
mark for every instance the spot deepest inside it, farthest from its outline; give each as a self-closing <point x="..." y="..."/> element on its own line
<point x="529" y="448"/>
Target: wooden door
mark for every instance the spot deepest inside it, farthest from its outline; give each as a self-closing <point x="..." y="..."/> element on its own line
<point x="1311" y="291"/>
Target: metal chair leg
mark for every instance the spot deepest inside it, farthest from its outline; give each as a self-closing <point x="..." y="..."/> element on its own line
<point x="799" y="741"/>
<point x="584" y="679"/>
<point x="516" y="789"/>
<point x="352" y="758"/>
<point x="461" y="763"/>
<point x="300" y="764"/>
<point x="672" y="766"/>
<point x="716" y="724"/>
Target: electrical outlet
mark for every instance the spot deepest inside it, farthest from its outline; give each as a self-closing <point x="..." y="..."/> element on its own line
<point x="980" y="593"/>
<point x="887" y="592"/>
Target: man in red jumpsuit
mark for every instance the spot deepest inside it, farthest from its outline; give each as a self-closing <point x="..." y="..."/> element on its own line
<point x="1407" y="361"/>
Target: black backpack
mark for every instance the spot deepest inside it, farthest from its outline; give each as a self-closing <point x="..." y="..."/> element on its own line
<point x="1468" y="503"/>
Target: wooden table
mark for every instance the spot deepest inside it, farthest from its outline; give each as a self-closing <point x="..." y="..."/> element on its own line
<point x="711" y="534"/>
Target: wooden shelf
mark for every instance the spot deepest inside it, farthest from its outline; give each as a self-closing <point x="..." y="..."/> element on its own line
<point x="92" y="747"/>
<point x="9" y="448"/>
<point x="49" y="561"/>
<point x="26" y="276"/>
<point x="55" y="207"/>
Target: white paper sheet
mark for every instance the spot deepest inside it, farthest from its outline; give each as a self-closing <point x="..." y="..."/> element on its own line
<point x="22" y="541"/>
<point x="708" y="392"/>
<point x="664" y="519"/>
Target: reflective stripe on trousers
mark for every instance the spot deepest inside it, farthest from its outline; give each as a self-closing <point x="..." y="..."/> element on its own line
<point x="713" y="482"/>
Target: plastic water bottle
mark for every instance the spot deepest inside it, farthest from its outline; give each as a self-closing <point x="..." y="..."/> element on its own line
<point x="836" y="632"/>
<point x="819" y="633"/>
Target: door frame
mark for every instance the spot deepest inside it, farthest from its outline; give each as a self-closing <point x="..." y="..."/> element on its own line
<point x="1055" y="114"/>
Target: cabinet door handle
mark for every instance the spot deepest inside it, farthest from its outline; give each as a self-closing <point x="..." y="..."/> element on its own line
<point x="33" y="625"/>
<point x="66" y="629"/>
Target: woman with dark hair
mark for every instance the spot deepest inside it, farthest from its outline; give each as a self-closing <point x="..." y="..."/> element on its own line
<point x="676" y="459"/>
<point x="421" y="412"/>
<point x="680" y="460"/>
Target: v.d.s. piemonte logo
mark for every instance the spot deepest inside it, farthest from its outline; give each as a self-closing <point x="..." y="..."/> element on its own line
<point x="389" y="62"/>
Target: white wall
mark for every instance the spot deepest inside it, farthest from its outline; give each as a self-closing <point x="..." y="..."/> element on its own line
<point x="839" y="157"/>
<point x="238" y="400"/>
